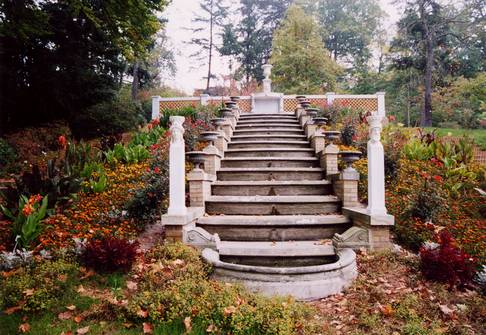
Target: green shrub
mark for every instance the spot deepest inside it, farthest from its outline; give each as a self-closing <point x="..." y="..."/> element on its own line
<point x="38" y="287"/>
<point x="188" y="112"/>
<point x="107" y="118"/>
<point x="8" y="154"/>
<point x="176" y="286"/>
<point x="129" y="155"/>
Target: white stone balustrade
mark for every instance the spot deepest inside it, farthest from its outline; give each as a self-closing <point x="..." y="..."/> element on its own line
<point x="376" y="168"/>
<point x="155" y="107"/>
<point x="177" y="166"/>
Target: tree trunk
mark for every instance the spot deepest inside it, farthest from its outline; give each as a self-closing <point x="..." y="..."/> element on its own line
<point x="426" y="115"/>
<point x="135" y="81"/>
<point x="210" y="48"/>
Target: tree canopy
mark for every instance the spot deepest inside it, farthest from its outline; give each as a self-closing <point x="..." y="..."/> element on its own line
<point x="301" y="64"/>
<point x="59" y="58"/>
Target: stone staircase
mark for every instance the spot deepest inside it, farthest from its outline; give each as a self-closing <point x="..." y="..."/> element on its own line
<point x="275" y="213"/>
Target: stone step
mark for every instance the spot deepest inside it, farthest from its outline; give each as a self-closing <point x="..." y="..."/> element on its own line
<point x="273" y="205"/>
<point x="257" y="174"/>
<point x="276" y="254"/>
<point x="268" y="131"/>
<point x="274" y="227"/>
<point x="246" y="116"/>
<point x="265" y="121"/>
<point x="266" y="125"/>
<point x="260" y="162"/>
<point x="275" y="187"/>
<point x="270" y="137"/>
<point x="270" y="152"/>
<point x="268" y="144"/>
<point x="270" y="173"/>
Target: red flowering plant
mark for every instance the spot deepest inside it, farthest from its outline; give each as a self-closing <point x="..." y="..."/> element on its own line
<point x="27" y="220"/>
<point x="447" y="263"/>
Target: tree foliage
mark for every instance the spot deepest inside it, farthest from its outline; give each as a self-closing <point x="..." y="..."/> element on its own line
<point x="210" y="16"/>
<point x="301" y="64"/>
<point x="59" y="58"/>
<point x="249" y="41"/>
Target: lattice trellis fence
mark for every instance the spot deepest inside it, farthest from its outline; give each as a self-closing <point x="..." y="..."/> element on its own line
<point x="367" y="103"/>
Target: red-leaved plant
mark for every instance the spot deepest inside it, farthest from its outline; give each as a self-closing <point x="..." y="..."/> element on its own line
<point x="110" y="254"/>
<point x="447" y="263"/>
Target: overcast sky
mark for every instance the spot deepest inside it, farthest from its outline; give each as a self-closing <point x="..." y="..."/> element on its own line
<point x="188" y="76"/>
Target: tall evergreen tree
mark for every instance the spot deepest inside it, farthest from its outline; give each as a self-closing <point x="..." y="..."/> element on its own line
<point x="61" y="57"/>
<point x="432" y="37"/>
<point x="209" y="17"/>
<point x="250" y="40"/>
<point x="301" y="64"/>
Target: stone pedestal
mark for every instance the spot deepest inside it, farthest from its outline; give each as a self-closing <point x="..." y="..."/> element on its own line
<point x="310" y="128"/>
<point x="299" y="111"/>
<point x="155" y="107"/>
<point x="346" y="187"/>
<point x="318" y="142"/>
<point x="199" y="187"/>
<point x="212" y="161"/>
<point x="228" y="129"/>
<point x="303" y="119"/>
<point x="222" y="142"/>
<point x="329" y="159"/>
<point x="267" y="103"/>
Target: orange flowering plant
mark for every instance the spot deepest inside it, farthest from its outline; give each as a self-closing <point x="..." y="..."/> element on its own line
<point x="27" y="220"/>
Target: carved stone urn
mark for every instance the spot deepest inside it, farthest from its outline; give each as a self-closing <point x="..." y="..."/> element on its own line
<point x="305" y="103"/>
<point x="312" y="112"/>
<point x="332" y="135"/>
<point x="226" y="112"/>
<point x="218" y="122"/>
<point x="209" y="136"/>
<point x="196" y="157"/>
<point x="349" y="157"/>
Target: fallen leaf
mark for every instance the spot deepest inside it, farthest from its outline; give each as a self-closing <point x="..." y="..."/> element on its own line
<point x="131" y="285"/>
<point x="67" y="333"/>
<point x="65" y="315"/>
<point x="62" y="278"/>
<point x="147" y="328"/>
<point x="229" y="310"/>
<point x="187" y="324"/>
<point x="82" y="331"/>
<point x="81" y="289"/>
<point x="78" y="318"/>
<point x="387" y="310"/>
<point x="28" y="292"/>
<point x="71" y="307"/>
<point x="446" y="310"/>
<point x="142" y="313"/>
<point x="211" y="328"/>
<point x="12" y="310"/>
<point x="24" y="328"/>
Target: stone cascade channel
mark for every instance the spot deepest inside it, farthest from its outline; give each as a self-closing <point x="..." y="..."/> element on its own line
<point x="275" y="213"/>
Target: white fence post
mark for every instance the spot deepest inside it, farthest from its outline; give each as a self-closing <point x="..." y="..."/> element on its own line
<point x="381" y="103"/>
<point x="376" y="168"/>
<point x="177" y="168"/>
<point x="204" y="99"/>
<point x="330" y="98"/>
<point x="155" y="107"/>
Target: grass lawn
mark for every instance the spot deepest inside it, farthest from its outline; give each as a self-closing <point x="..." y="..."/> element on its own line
<point x="479" y="135"/>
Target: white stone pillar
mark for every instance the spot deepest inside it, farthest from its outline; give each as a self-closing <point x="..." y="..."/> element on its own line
<point x="376" y="168"/>
<point x="330" y="96"/>
<point x="204" y="99"/>
<point x="155" y="107"/>
<point x="381" y="103"/>
<point x="177" y="168"/>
